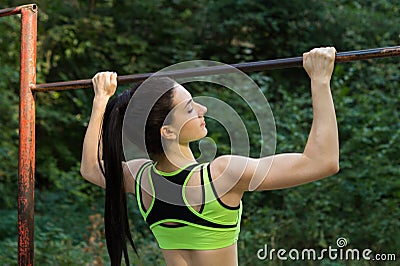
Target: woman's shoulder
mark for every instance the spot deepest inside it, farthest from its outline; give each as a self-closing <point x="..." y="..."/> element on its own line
<point x="220" y="162"/>
<point x="225" y="162"/>
<point x="132" y="167"/>
<point x="231" y="168"/>
<point x="226" y="165"/>
<point x="226" y="172"/>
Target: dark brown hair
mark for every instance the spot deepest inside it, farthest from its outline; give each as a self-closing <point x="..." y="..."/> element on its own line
<point x="118" y="110"/>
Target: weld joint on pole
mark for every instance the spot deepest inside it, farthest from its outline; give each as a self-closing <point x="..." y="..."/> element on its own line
<point x="32" y="7"/>
<point x="32" y="86"/>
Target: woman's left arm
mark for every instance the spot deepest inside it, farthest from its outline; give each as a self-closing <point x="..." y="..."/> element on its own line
<point x="320" y="157"/>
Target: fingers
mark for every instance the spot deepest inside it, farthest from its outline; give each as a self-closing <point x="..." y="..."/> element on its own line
<point x="328" y="52"/>
<point x="319" y="62"/>
<point x="323" y="52"/>
<point x="107" y="78"/>
<point x="105" y="83"/>
<point x="113" y="79"/>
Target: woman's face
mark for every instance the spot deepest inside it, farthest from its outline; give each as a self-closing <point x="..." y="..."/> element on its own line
<point x="187" y="116"/>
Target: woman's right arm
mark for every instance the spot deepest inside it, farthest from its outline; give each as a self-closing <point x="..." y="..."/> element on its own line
<point x="104" y="84"/>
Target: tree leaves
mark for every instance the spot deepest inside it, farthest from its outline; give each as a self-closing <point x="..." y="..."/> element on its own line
<point x="78" y="38"/>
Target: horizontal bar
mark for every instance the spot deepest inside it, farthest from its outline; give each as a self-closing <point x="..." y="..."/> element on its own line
<point x="245" y="67"/>
<point x="15" y="10"/>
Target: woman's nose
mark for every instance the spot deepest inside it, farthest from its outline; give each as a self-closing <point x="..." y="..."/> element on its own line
<point x="202" y="110"/>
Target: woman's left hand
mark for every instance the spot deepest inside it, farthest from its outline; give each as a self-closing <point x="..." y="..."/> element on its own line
<point x="319" y="63"/>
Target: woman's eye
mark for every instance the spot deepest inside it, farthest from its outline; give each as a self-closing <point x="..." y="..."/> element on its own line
<point x="191" y="110"/>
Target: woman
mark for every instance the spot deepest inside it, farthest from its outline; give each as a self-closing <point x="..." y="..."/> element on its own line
<point x="201" y="225"/>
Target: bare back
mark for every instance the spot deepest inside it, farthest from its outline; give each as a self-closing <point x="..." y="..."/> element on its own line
<point x="189" y="257"/>
<point x="217" y="257"/>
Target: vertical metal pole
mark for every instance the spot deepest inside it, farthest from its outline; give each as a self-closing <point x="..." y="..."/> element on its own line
<point x="26" y="164"/>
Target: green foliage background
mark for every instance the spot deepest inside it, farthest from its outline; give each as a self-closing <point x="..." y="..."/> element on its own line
<point x="78" y="38"/>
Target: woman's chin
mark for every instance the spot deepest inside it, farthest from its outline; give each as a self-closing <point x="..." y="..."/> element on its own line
<point x="205" y="132"/>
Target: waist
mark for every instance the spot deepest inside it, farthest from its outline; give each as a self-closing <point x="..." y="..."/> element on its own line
<point x="193" y="236"/>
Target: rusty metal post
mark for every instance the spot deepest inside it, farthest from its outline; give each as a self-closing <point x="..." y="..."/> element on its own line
<point x="26" y="164"/>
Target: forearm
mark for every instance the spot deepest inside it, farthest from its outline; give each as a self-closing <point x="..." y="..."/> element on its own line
<point x="323" y="145"/>
<point x="90" y="168"/>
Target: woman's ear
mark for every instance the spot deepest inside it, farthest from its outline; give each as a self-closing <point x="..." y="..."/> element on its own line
<point x="167" y="132"/>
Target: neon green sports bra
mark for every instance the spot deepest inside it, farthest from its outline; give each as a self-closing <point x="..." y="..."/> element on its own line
<point x="215" y="225"/>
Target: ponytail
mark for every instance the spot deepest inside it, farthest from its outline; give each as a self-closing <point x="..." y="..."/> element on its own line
<point x="112" y="153"/>
<point x="115" y="215"/>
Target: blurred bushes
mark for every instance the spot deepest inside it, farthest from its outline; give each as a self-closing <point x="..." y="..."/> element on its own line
<point x="78" y="38"/>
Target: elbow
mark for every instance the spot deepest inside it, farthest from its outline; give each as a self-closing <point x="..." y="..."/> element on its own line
<point x="92" y="176"/>
<point x="331" y="167"/>
<point x="84" y="172"/>
<point x="82" y="169"/>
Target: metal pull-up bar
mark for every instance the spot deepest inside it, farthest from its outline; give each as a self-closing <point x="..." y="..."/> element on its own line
<point x="245" y="67"/>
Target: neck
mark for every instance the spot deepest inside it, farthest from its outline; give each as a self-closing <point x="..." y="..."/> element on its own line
<point x="175" y="158"/>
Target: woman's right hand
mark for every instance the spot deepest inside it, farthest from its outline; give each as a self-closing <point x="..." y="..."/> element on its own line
<point x="104" y="84"/>
<point x="319" y="63"/>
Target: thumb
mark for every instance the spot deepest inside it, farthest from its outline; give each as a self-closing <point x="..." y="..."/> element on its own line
<point x="113" y="79"/>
